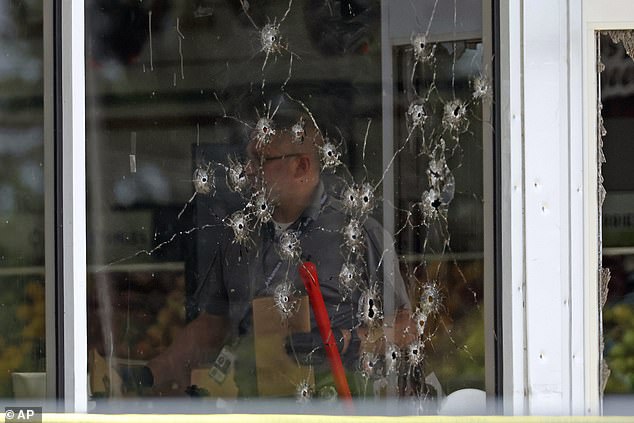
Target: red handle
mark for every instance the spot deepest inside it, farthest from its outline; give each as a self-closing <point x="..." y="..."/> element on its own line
<point x="308" y="273"/>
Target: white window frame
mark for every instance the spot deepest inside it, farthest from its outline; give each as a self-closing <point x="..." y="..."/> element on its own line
<point x="72" y="307"/>
<point x="74" y="206"/>
<point x="548" y="85"/>
<point x="543" y="209"/>
<point x="540" y="124"/>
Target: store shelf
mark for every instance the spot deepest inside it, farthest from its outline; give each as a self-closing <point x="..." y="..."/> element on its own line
<point x="174" y="266"/>
<point x="618" y="251"/>
<point x="448" y="256"/>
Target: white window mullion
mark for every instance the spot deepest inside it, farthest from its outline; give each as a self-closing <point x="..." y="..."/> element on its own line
<point x="575" y="308"/>
<point x="512" y="208"/>
<point x="74" y="206"/>
<point x="547" y="209"/>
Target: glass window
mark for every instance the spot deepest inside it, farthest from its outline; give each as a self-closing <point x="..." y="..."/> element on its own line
<point x="617" y="216"/>
<point x="22" y="331"/>
<point x="229" y="144"/>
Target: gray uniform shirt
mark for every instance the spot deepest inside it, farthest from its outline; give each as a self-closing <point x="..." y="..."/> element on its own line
<point x="237" y="273"/>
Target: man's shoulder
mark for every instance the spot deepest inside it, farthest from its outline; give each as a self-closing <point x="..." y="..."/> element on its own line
<point x="334" y="210"/>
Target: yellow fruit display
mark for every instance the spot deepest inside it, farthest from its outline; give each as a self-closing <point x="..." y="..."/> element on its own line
<point x="22" y="330"/>
<point x="618" y="321"/>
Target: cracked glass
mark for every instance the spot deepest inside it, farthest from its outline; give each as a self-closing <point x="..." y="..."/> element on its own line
<point x="285" y="202"/>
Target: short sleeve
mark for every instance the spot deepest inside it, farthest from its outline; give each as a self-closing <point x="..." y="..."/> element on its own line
<point x="211" y="295"/>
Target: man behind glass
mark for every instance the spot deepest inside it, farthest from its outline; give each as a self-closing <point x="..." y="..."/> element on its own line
<point x="284" y="164"/>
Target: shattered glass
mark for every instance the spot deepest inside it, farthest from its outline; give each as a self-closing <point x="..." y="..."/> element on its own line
<point x="615" y="279"/>
<point x="286" y="301"/>
<point x="232" y="106"/>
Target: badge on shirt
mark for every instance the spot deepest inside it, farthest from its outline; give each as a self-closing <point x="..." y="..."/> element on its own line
<point x="221" y="366"/>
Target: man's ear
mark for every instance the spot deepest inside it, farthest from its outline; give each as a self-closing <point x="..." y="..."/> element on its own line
<point x="302" y="169"/>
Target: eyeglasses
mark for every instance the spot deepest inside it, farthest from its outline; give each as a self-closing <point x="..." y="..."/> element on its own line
<point x="262" y="160"/>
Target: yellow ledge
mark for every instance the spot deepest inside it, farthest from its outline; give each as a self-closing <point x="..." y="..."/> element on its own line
<point x="284" y="418"/>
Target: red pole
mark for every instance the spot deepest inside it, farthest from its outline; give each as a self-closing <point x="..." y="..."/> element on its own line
<point x="308" y="273"/>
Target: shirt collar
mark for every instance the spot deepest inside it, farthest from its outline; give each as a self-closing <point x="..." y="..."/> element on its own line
<point x="310" y="213"/>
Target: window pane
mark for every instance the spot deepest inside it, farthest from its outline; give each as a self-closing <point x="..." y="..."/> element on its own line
<point x="228" y="143"/>
<point x="441" y="230"/>
<point x="617" y="226"/>
<point x="22" y="336"/>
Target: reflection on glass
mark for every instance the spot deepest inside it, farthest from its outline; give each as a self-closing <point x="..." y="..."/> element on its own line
<point x="231" y="143"/>
<point x="22" y="340"/>
<point x="617" y="225"/>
